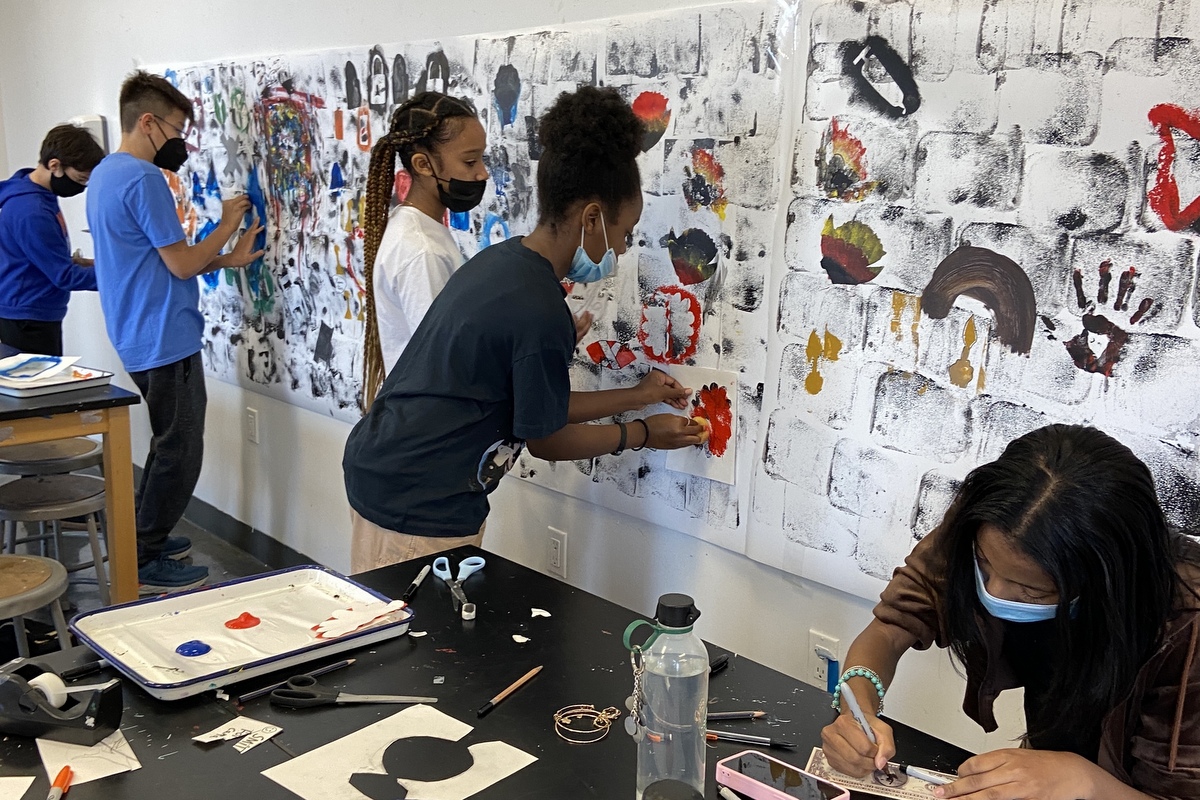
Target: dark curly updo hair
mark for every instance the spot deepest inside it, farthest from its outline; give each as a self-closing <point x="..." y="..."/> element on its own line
<point x="590" y="141"/>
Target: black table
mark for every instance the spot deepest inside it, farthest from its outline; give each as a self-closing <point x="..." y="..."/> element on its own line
<point x="585" y="662"/>
<point x="85" y="412"/>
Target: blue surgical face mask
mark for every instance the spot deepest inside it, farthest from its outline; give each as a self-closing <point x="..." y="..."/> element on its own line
<point x="583" y="269"/>
<point x="1011" y="610"/>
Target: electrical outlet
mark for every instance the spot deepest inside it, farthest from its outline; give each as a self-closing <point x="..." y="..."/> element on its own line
<point x="252" y="424"/>
<point x="556" y="553"/>
<point x="822" y="648"/>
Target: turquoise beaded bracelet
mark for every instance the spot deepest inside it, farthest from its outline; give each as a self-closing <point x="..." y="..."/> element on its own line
<point x="858" y="672"/>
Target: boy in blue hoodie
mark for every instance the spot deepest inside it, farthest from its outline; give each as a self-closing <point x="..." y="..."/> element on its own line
<point x="37" y="271"/>
<point x="147" y="272"/>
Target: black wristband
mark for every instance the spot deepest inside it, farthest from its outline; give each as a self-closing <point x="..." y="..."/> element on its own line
<point x="624" y="437"/>
<point x="645" y="441"/>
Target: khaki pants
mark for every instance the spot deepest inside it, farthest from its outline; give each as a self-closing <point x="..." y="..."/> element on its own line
<point x="372" y="547"/>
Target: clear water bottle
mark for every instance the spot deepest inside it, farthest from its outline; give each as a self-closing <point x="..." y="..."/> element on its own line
<point x="674" y="702"/>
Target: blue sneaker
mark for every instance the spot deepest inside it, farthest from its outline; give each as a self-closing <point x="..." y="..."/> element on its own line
<point x="176" y="547"/>
<point x="164" y="574"/>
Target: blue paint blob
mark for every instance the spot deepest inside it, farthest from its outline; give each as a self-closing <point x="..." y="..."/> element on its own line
<point x="460" y="220"/>
<point x="197" y="190"/>
<point x="495" y="230"/>
<point x="336" y="181"/>
<point x="210" y="278"/>
<point x="212" y="188"/>
<point x="193" y="648"/>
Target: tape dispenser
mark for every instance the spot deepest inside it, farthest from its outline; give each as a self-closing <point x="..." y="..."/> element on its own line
<point x="36" y="702"/>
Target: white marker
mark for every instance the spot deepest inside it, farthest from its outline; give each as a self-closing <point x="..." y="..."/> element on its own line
<point x="922" y="775"/>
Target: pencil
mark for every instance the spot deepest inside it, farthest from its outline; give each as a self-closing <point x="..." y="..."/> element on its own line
<point x="257" y="693"/>
<point x="495" y="701"/>
<point x="745" y="738"/>
<point x="712" y="715"/>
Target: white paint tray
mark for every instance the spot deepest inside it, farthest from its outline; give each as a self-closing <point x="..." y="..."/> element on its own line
<point x="140" y="638"/>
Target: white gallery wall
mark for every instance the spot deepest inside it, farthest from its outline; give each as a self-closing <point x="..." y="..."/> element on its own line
<point x="290" y="484"/>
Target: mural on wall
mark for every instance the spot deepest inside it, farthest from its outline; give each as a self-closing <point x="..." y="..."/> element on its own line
<point x="910" y="236"/>
<point x="993" y="227"/>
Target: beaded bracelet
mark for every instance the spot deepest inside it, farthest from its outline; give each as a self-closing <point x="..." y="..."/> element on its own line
<point x="858" y="672"/>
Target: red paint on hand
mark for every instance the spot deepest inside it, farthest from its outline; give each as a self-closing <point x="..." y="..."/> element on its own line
<point x="712" y="403"/>
<point x="243" y="621"/>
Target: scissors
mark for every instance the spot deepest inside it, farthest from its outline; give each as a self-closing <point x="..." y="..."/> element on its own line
<point x="303" y="691"/>
<point x="466" y="568"/>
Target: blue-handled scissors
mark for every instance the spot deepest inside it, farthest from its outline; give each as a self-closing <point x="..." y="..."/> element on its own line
<point x="466" y="568"/>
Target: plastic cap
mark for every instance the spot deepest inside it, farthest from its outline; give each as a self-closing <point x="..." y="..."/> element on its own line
<point x="669" y="789"/>
<point x="676" y="611"/>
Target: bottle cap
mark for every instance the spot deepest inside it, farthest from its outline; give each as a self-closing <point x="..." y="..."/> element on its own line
<point x="668" y="789"/>
<point x="468" y="611"/>
<point x="676" y="611"/>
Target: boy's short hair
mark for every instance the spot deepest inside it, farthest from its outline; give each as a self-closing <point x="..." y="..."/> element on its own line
<point x="73" y="146"/>
<point x="143" y="92"/>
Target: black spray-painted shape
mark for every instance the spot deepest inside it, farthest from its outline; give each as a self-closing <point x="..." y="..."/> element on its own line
<point x="854" y="67"/>
<point x="531" y="130"/>
<point x="506" y="91"/>
<point x="324" y="348"/>
<point x="994" y="280"/>
<point x="399" y="80"/>
<point x="436" y="75"/>
<point x="420" y="758"/>
<point x="353" y="90"/>
<point x="377" y="81"/>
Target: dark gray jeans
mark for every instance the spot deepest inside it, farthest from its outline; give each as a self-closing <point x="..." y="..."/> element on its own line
<point x="176" y="399"/>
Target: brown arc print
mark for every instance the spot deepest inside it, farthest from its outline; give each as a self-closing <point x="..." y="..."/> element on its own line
<point x="994" y="280"/>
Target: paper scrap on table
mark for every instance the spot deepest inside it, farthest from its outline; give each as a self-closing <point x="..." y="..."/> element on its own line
<point x="325" y="773"/>
<point x="110" y="756"/>
<point x="539" y="612"/>
<point x="906" y="788"/>
<point x="519" y="639"/>
<point x="251" y="733"/>
<point x="15" y="788"/>
<point x="348" y="620"/>
<point x="714" y="398"/>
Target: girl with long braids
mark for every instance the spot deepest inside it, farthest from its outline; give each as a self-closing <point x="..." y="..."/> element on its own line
<point x="487" y="372"/>
<point x="408" y="252"/>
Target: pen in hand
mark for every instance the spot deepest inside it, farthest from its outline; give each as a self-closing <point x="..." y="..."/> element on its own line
<point x="856" y="711"/>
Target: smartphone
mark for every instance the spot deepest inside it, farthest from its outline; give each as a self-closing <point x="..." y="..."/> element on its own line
<point x="761" y="777"/>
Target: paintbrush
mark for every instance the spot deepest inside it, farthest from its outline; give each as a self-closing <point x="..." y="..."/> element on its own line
<point x="495" y="701"/>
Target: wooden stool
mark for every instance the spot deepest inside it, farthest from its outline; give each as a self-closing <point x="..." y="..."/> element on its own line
<point x="52" y="498"/>
<point x="28" y="583"/>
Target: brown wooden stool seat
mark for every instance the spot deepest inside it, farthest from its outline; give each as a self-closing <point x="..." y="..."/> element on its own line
<point x="28" y="583"/>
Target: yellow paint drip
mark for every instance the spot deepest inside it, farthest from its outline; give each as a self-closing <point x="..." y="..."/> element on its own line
<point x="961" y="371"/>
<point x="346" y="295"/>
<point x="916" y="336"/>
<point x="813" y="353"/>
<point x="979" y="383"/>
<point x="899" y="303"/>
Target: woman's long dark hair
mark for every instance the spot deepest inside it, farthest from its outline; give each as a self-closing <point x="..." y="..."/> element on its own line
<point x="1083" y="507"/>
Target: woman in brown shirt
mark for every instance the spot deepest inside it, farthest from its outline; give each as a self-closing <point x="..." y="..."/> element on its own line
<point x="1054" y="569"/>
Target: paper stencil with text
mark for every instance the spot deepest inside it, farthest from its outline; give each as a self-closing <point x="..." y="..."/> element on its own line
<point x="987" y="235"/>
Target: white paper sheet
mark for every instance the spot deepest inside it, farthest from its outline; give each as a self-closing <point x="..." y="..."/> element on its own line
<point x="906" y="789"/>
<point x="14" y="788"/>
<point x="714" y="397"/>
<point x="110" y="756"/>
<point x="324" y="773"/>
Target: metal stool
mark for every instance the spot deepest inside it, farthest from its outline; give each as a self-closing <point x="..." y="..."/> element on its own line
<point x="28" y="583"/>
<point x="52" y="498"/>
<point x="51" y="458"/>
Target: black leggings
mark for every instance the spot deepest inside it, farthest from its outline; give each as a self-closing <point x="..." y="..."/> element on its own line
<point x="32" y="336"/>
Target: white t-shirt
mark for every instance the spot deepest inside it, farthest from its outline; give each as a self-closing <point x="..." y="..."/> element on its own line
<point x="416" y="257"/>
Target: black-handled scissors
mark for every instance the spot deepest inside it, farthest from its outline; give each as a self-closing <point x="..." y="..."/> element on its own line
<point x="303" y="691"/>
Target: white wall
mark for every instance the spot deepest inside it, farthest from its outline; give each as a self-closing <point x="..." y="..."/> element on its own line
<point x="290" y="485"/>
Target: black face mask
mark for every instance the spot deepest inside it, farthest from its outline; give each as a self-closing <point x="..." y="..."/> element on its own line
<point x="64" y="186"/>
<point x="462" y="196"/>
<point x="172" y="155"/>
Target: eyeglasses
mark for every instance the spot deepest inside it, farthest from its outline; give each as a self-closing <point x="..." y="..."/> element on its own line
<point x="183" y="132"/>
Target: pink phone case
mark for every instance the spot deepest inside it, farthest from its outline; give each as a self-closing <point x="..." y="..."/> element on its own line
<point x="727" y="775"/>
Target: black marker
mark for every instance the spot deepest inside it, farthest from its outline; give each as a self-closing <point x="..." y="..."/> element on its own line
<point x="745" y="738"/>
<point x="412" y="587"/>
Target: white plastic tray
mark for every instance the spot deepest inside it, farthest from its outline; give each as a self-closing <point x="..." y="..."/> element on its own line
<point x="140" y="638"/>
<point x="72" y="378"/>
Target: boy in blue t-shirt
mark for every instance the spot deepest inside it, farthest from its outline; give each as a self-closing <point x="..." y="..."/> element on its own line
<point x="146" y="273"/>
<point x="37" y="271"/>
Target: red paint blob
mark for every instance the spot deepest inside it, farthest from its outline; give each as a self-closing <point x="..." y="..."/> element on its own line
<point x="243" y="621"/>
<point x="1164" y="195"/>
<point x="713" y="404"/>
